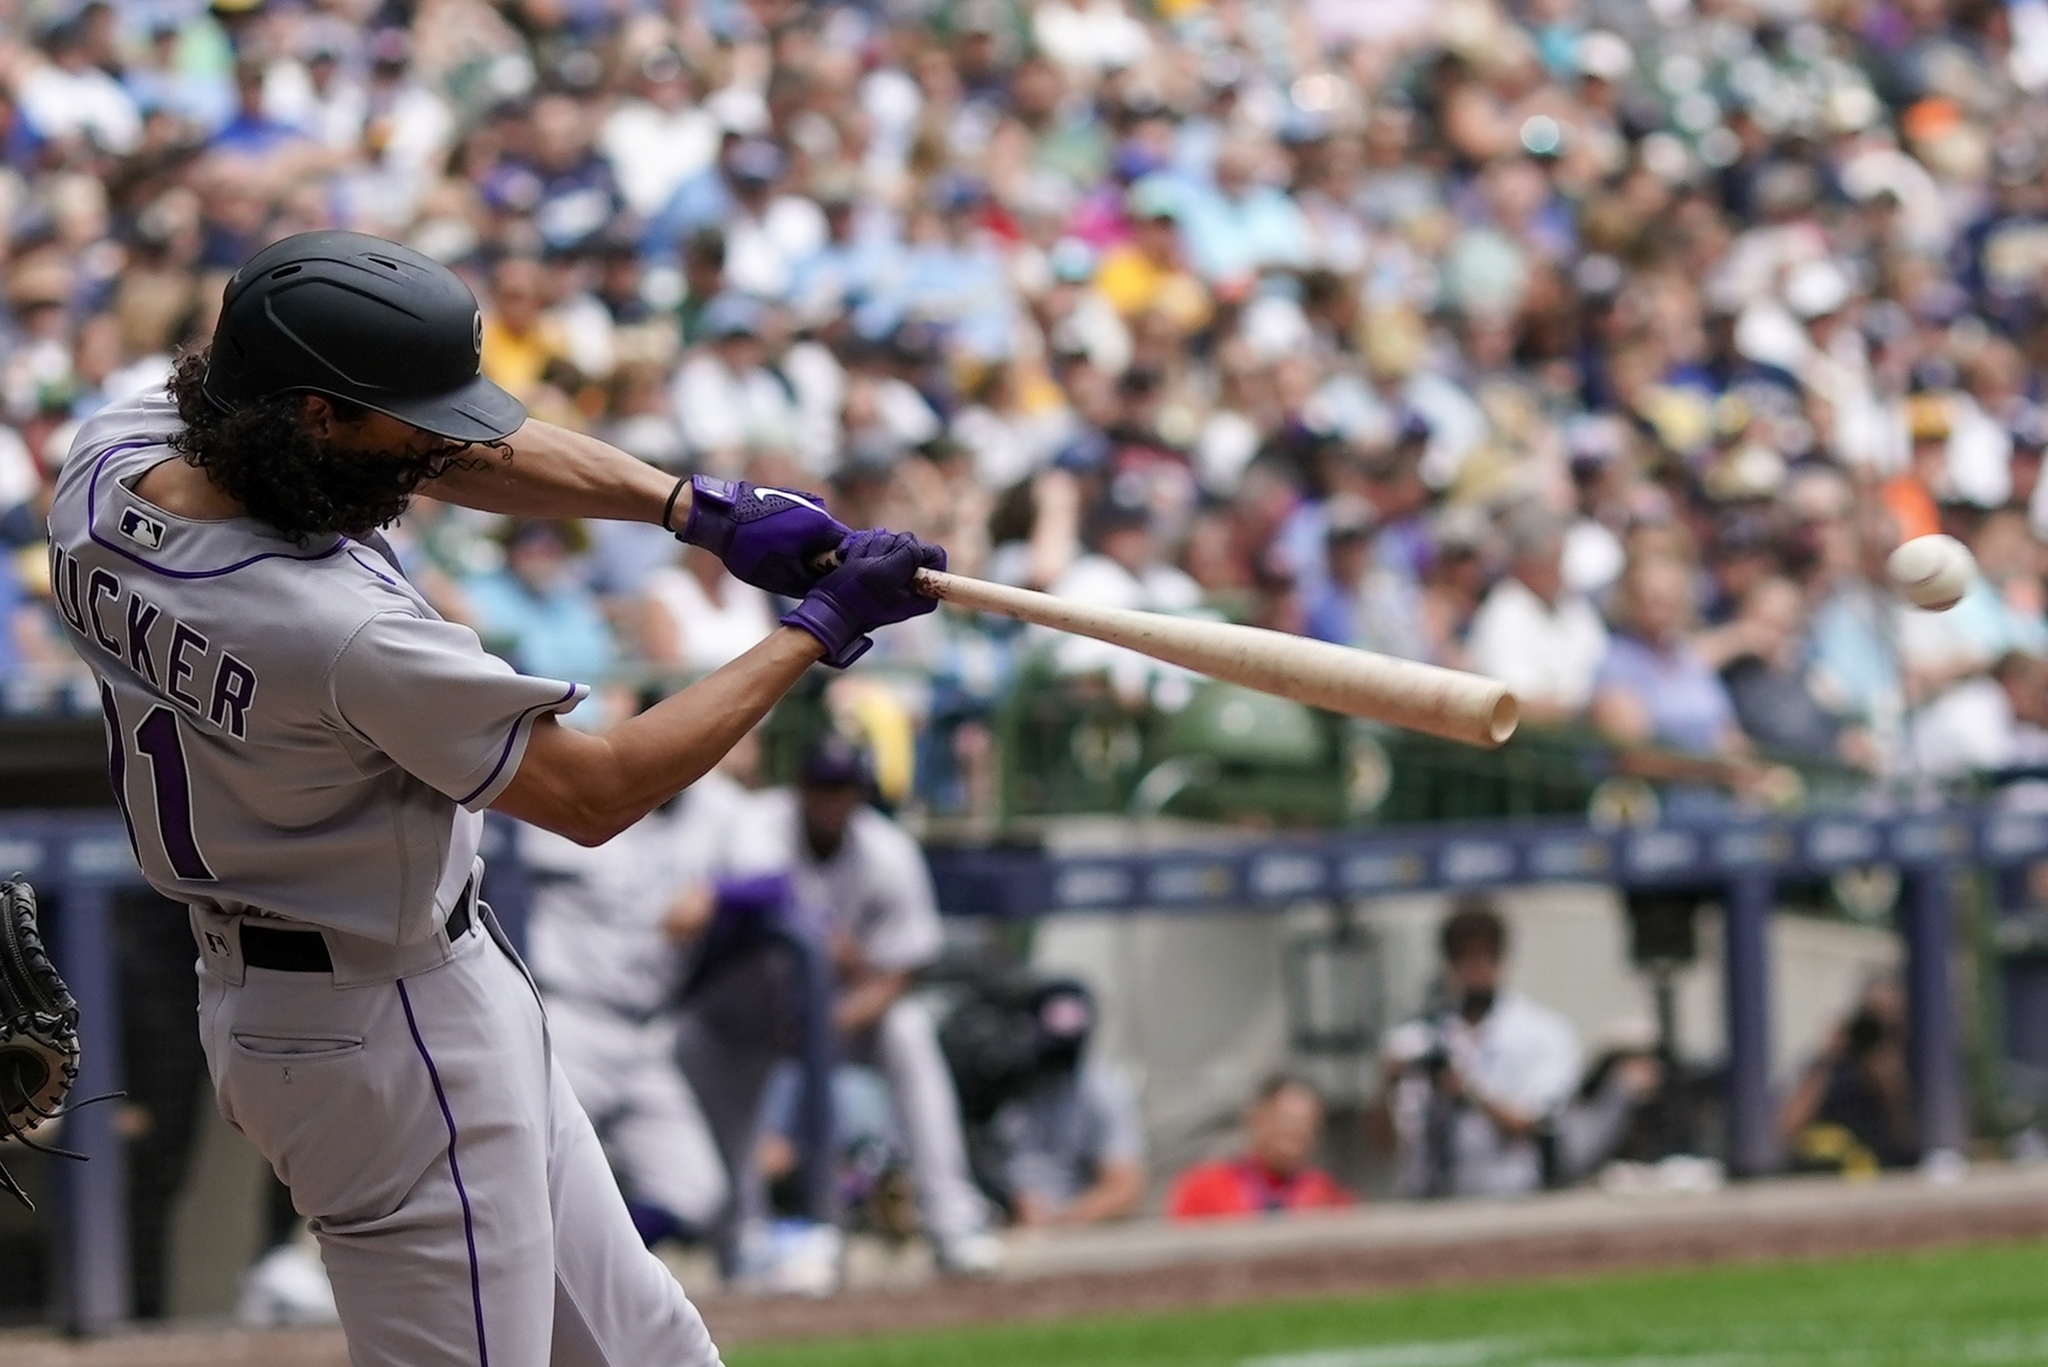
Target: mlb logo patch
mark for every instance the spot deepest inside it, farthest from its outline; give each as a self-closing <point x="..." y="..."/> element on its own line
<point x="141" y="528"/>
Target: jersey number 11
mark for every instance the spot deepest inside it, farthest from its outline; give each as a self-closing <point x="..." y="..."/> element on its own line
<point x="159" y="740"/>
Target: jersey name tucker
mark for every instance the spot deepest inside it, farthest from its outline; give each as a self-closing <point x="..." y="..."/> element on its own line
<point x="173" y="659"/>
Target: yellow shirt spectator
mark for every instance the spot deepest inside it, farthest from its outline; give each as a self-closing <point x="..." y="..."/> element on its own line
<point x="1145" y="274"/>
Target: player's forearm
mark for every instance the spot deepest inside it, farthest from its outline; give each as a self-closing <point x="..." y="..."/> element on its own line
<point x="553" y="472"/>
<point x="589" y="788"/>
<point x="1512" y="1123"/>
<point x="867" y="1001"/>
<point x="1116" y="1193"/>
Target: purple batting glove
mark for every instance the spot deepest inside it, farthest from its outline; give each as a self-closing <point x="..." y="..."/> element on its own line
<point x="870" y="588"/>
<point x="769" y="538"/>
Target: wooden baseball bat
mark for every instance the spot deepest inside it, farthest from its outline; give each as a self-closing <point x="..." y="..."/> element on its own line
<point x="1442" y="702"/>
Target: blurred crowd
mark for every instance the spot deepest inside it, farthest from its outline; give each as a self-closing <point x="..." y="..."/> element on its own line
<point x="1602" y="345"/>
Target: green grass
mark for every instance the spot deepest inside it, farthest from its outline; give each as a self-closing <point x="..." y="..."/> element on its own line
<point x="1961" y="1308"/>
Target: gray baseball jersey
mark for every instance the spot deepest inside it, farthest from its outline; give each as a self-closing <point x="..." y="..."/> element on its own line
<point x="596" y="928"/>
<point x="876" y="888"/>
<point x="292" y="729"/>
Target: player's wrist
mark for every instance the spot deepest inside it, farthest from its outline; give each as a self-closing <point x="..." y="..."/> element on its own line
<point x="703" y="515"/>
<point x="676" y="509"/>
<point x="840" y="638"/>
<point x="804" y="641"/>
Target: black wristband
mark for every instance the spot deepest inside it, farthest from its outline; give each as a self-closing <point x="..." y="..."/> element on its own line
<point x="668" y="509"/>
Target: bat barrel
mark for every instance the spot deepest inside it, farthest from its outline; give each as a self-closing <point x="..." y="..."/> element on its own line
<point x="1440" y="702"/>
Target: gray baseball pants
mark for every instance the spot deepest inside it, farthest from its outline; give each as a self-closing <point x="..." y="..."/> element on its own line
<point x="464" y="1208"/>
<point x="728" y="1047"/>
<point x="625" y="1075"/>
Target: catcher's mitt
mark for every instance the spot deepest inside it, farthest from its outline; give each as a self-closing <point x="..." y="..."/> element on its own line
<point x="38" y="1027"/>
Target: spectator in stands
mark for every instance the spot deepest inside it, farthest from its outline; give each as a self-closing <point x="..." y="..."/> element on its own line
<point x="1652" y="687"/>
<point x="521" y="340"/>
<point x="1852" y="1110"/>
<point x="1992" y="721"/>
<point x="699" y="617"/>
<point x="1148" y="273"/>
<point x="730" y="402"/>
<point x="535" y="612"/>
<point x="1283" y="1128"/>
<point x="1359" y="600"/>
<point x="1124" y="568"/>
<point x="660" y="135"/>
<point x="1532" y="632"/>
<point x="1474" y="1087"/>
<point x="1771" y="687"/>
<point x="1072" y="1145"/>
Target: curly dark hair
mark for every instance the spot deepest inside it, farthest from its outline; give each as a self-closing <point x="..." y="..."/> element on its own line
<point x="262" y="455"/>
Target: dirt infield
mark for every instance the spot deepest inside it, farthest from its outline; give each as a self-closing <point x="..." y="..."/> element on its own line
<point x="1158" y="1267"/>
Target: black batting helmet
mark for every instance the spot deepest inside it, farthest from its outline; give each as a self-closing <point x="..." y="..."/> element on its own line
<point x="355" y="317"/>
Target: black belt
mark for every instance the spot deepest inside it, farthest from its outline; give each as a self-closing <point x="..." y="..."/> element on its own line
<point x="305" y="951"/>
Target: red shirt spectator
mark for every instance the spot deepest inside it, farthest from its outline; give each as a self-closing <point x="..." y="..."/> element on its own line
<point x="1243" y="1186"/>
<point x="1282" y="1128"/>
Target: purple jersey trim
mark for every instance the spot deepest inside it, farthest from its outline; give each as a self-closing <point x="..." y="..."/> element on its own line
<point x="373" y="569"/>
<point x="511" y="736"/>
<point x="476" y="1287"/>
<point x="92" y="508"/>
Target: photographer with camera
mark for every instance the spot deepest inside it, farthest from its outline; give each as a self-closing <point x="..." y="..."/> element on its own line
<point x="1852" y="1111"/>
<point x="1472" y="1088"/>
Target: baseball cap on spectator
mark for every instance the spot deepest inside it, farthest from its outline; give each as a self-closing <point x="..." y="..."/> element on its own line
<point x="1531" y="529"/>
<point x="1928" y="417"/>
<point x="836" y="186"/>
<point x="957" y="192"/>
<point x="390" y="49"/>
<point x="872" y="455"/>
<point x="1119" y="512"/>
<point x="833" y="761"/>
<point x="579" y="71"/>
<point x="1413" y="429"/>
<point x="567" y="533"/>
<point x="1461" y="529"/>
<point x="1085" y="454"/>
<point x="732" y="315"/>
<point x="1154" y="197"/>
<point x="1347" y="517"/>
<point x="1816" y="289"/>
<point x="1750" y="470"/>
<point x="1133" y="162"/>
<point x="2030" y="427"/>
<point x="1604" y="56"/>
<point x="756" y="161"/>
<point x="1072" y="261"/>
<point x="661" y="64"/>
<point x="979" y="18"/>
<point x="1743" y="535"/>
<point x="1591" y="442"/>
<point x="913" y="342"/>
<point x="1064" y="1014"/>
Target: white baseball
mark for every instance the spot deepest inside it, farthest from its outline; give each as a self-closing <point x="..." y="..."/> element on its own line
<point x="1933" y="571"/>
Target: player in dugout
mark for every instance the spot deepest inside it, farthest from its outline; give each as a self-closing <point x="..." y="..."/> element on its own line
<point x="304" y="751"/>
<point x="866" y="878"/>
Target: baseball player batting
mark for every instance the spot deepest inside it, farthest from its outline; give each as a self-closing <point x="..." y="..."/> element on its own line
<point x="304" y="751"/>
